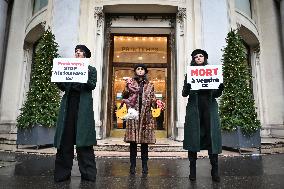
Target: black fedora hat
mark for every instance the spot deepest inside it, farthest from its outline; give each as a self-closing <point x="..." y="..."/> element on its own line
<point x="199" y="51"/>
<point x="142" y="66"/>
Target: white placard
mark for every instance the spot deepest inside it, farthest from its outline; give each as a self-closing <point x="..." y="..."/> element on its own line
<point x="70" y="70"/>
<point x="205" y="77"/>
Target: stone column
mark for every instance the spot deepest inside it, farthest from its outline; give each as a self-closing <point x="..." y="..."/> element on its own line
<point x="13" y="75"/>
<point x="99" y="53"/>
<point x="282" y="24"/>
<point x="3" y="20"/>
<point x="272" y="85"/>
<point x="180" y="66"/>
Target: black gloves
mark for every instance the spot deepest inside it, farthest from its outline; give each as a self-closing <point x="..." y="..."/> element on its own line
<point x="188" y="86"/>
<point x="221" y="87"/>
<point x="76" y="86"/>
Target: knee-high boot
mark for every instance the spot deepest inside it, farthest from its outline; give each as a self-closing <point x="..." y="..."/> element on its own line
<point x="214" y="163"/>
<point x="192" y="157"/>
<point x="144" y="157"/>
<point x="133" y="154"/>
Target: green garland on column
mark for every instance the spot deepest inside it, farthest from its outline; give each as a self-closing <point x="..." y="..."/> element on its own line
<point x="237" y="107"/>
<point x="43" y="98"/>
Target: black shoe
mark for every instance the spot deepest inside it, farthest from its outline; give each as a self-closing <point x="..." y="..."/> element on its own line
<point x="62" y="179"/>
<point x="90" y="179"/>
<point x="144" y="168"/>
<point x="216" y="178"/>
<point x="214" y="174"/>
<point x="192" y="177"/>
<point x="214" y="170"/>
<point x="132" y="170"/>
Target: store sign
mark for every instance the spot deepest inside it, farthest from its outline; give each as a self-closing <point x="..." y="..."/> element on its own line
<point x="205" y="77"/>
<point x="139" y="49"/>
<point x="70" y="70"/>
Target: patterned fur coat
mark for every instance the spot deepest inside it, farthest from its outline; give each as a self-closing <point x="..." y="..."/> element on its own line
<point x="142" y="130"/>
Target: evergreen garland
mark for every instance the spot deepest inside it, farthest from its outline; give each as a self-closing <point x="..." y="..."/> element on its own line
<point x="237" y="106"/>
<point x="43" y="98"/>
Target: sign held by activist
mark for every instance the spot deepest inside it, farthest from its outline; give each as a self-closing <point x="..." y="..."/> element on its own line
<point x="70" y="70"/>
<point x="205" y="77"/>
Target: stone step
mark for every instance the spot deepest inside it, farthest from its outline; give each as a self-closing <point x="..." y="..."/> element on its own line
<point x="117" y="144"/>
<point x="152" y="148"/>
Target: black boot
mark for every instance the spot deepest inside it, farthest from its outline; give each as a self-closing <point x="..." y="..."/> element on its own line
<point x="144" y="157"/>
<point x="192" y="175"/>
<point x="192" y="156"/>
<point x="214" y="170"/>
<point x="133" y="154"/>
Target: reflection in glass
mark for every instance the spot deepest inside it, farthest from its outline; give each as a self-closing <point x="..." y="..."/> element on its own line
<point x="39" y="4"/>
<point x="135" y="49"/>
<point x="157" y="76"/>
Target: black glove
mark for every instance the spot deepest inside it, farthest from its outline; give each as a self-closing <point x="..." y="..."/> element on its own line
<point x="76" y="86"/>
<point x="188" y="86"/>
<point x="221" y="87"/>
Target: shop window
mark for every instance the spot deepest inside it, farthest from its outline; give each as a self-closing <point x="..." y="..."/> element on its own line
<point x="140" y="49"/>
<point x="39" y="4"/>
<point x="244" y="6"/>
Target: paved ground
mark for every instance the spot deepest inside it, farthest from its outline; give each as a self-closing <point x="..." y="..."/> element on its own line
<point x="28" y="171"/>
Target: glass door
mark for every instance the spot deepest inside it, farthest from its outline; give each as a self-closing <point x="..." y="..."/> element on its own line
<point x="129" y="50"/>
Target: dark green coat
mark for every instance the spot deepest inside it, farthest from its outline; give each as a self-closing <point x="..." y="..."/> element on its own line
<point x="192" y="123"/>
<point x="86" y="133"/>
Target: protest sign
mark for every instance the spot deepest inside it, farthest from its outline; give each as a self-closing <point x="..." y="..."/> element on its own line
<point x="70" y="70"/>
<point x="205" y="77"/>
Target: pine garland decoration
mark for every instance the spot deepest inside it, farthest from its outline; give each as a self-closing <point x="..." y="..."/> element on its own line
<point x="43" y="98"/>
<point x="237" y="107"/>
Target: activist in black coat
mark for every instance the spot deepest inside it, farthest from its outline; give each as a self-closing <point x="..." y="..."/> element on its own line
<point x="76" y="126"/>
<point x="202" y="125"/>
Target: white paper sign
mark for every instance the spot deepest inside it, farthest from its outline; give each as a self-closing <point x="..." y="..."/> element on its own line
<point x="70" y="70"/>
<point x="205" y="77"/>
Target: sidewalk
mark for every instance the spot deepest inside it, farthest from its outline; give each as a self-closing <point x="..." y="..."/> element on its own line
<point x="29" y="171"/>
<point x="165" y="148"/>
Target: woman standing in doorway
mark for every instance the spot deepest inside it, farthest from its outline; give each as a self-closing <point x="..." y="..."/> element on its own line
<point x="141" y="131"/>
<point x="202" y="124"/>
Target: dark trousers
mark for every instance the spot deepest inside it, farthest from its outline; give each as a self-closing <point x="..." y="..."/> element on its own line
<point x="133" y="152"/>
<point x="204" y="117"/>
<point x="65" y="154"/>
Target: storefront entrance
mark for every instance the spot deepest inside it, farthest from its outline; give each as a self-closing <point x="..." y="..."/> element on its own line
<point x="126" y="51"/>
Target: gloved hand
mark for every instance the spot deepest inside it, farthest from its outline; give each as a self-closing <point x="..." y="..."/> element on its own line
<point x="76" y="86"/>
<point x="188" y="86"/>
<point x="221" y="87"/>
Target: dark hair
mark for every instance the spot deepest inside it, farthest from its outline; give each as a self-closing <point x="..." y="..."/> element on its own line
<point x="86" y="51"/>
<point x="198" y="51"/>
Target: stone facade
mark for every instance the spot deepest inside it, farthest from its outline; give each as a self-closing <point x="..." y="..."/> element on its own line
<point x="196" y="24"/>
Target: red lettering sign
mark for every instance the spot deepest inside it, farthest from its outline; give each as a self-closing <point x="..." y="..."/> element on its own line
<point x="204" y="72"/>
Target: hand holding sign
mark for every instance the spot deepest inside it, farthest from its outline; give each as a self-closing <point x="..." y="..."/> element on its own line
<point x="205" y="77"/>
<point x="70" y="70"/>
